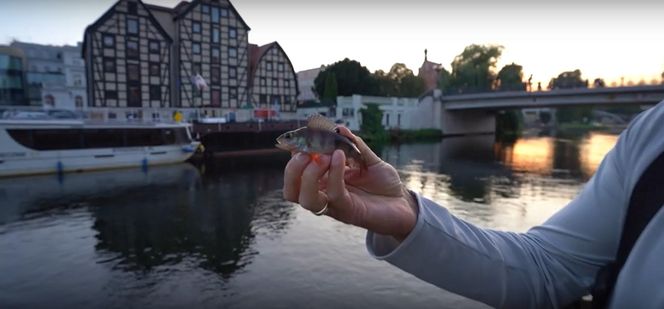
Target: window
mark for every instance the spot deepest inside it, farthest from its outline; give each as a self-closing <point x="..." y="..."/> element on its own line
<point x="268" y="65"/>
<point x="132" y="26"/>
<point x="109" y="40"/>
<point x="78" y="101"/>
<point x="263" y="81"/>
<point x="155" y="93"/>
<point x="263" y="99"/>
<point x="233" y="92"/>
<point x="232" y="72"/>
<point x="286" y="83"/>
<point x="232" y="33"/>
<point x="133" y="72"/>
<point x="215" y="15"/>
<point x="132" y="49"/>
<point x="198" y="68"/>
<point x="111" y="94"/>
<point x="224" y="12"/>
<point x="78" y="80"/>
<point x="196" y="27"/>
<point x="275" y="82"/>
<point x="134" y="96"/>
<point x="196" y="48"/>
<point x="154" y="69"/>
<point x="215" y="75"/>
<point x="216" y="97"/>
<point x="195" y="92"/>
<point x="109" y="65"/>
<point x="280" y="67"/>
<point x="276" y="100"/>
<point x="154" y="47"/>
<point x="215" y="55"/>
<point x="49" y="100"/>
<point x="132" y="8"/>
<point x="205" y="9"/>
<point x="232" y="52"/>
<point x="215" y="35"/>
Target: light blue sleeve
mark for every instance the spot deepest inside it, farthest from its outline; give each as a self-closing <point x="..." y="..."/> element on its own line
<point x="549" y="266"/>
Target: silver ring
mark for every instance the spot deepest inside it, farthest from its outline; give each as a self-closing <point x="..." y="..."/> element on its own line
<point x="322" y="211"/>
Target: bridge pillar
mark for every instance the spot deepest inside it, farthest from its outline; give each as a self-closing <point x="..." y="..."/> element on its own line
<point x="467" y="122"/>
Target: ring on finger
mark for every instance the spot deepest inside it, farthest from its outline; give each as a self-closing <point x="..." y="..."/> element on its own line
<point x="322" y="211"/>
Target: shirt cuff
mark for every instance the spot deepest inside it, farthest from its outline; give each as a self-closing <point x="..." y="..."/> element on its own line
<point x="382" y="247"/>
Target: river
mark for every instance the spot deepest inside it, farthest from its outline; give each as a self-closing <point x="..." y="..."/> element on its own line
<point x="220" y="235"/>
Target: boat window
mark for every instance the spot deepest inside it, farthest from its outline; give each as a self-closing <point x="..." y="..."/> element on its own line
<point x="102" y="138"/>
<point x="143" y="137"/>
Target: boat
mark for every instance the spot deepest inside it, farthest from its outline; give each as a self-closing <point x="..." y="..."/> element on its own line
<point x="52" y="142"/>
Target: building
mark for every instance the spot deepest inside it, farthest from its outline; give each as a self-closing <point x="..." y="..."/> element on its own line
<point x="398" y="113"/>
<point x="55" y="75"/>
<point x="306" y="85"/>
<point x="128" y="58"/>
<point x="429" y="72"/>
<point x="273" y="81"/>
<point x="12" y="77"/>
<point x="195" y="57"/>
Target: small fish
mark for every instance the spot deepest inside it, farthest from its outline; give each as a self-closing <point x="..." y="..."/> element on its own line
<point x="320" y="136"/>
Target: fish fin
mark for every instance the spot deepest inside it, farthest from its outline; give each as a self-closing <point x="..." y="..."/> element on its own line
<point x="315" y="157"/>
<point x="320" y="122"/>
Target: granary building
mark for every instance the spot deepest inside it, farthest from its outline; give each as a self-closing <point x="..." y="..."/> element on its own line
<point x="195" y="56"/>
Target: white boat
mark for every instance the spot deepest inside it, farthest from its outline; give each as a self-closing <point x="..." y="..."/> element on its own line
<point x="37" y="145"/>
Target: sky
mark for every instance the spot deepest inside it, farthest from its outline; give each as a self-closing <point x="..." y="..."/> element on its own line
<point x="607" y="39"/>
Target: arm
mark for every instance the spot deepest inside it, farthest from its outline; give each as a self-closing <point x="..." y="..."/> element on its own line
<point x="549" y="266"/>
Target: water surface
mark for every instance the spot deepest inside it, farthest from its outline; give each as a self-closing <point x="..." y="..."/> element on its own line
<point x="220" y="235"/>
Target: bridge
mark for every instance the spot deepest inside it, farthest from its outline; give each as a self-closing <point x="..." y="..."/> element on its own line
<point x="475" y="113"/>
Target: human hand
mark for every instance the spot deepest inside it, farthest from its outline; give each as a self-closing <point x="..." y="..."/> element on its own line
<point x="374" y="199"/>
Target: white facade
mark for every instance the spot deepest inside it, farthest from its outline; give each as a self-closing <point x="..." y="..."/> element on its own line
<point x="55" y="75"/>
<point x="398" y="113"/>
<point x="305" y="80"/>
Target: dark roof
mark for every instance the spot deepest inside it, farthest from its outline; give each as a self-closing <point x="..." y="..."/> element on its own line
<point x="108" y="15"/>
<point x="256" y="53"/>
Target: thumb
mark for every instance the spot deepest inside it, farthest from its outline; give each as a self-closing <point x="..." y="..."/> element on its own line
<point x="336" y="189"/>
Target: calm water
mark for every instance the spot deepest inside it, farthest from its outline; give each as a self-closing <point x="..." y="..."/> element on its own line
<point x="220" y="235"/>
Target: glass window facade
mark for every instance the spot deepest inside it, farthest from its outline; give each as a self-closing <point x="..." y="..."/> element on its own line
<point x="12" y="83"/>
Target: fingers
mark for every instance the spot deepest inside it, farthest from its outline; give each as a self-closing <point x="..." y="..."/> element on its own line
<point x="369" y="156"/>
<point x="336" y="190"/>
<point x="310" y="197"/>
<point x="292" y="175"/>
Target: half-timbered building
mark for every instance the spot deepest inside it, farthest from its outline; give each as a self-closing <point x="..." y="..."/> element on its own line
<point x="205" y="61"/>
<point x="128" y="59"/>
<point x="273" y="79"/>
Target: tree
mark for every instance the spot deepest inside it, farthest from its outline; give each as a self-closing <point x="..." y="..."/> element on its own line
<point x="351" y="76"/>
<point x="411" y="86"/>
<point x="568" y="80"/>
<point x="372" y="123"/>
<point x="444" y="80"/>
<point x="386" y="86"/>
<point x="330" y="88"/>
<point x="473" y="69"/>
<point x="510" y="78"/>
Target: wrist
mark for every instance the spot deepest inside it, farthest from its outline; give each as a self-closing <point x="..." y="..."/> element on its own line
<point x="411" y="212"/>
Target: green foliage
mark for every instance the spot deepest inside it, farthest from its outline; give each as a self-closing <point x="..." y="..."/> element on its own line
<point x="444" y="80"/>
<point x="351" y="77"/>
<point x="568" y="80"/>
<point x="580" y="114"/>
<point x="509" y="124"/>
<point x="330" y="87"/>
<point x="510" y="78"/>
<point x="399" y="82"/>
<point x="405" y="136"/>
<point x="372" y="126"/>
<point x="473" y="69"/>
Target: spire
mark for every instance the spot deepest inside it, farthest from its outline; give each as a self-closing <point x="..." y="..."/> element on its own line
<point x="425" y="54"/>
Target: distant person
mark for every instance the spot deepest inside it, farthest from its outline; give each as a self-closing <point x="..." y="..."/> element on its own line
<point x="550" y="266"/>
<point x="539" y="86"/>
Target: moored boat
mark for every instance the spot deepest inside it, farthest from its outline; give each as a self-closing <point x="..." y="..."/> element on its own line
<point x="36" y="145"/>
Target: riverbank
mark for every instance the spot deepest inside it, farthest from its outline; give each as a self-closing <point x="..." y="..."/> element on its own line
<point x="403" y="136"/>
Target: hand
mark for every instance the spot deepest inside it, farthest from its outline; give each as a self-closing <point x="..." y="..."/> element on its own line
<point x="374" y="199"/>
